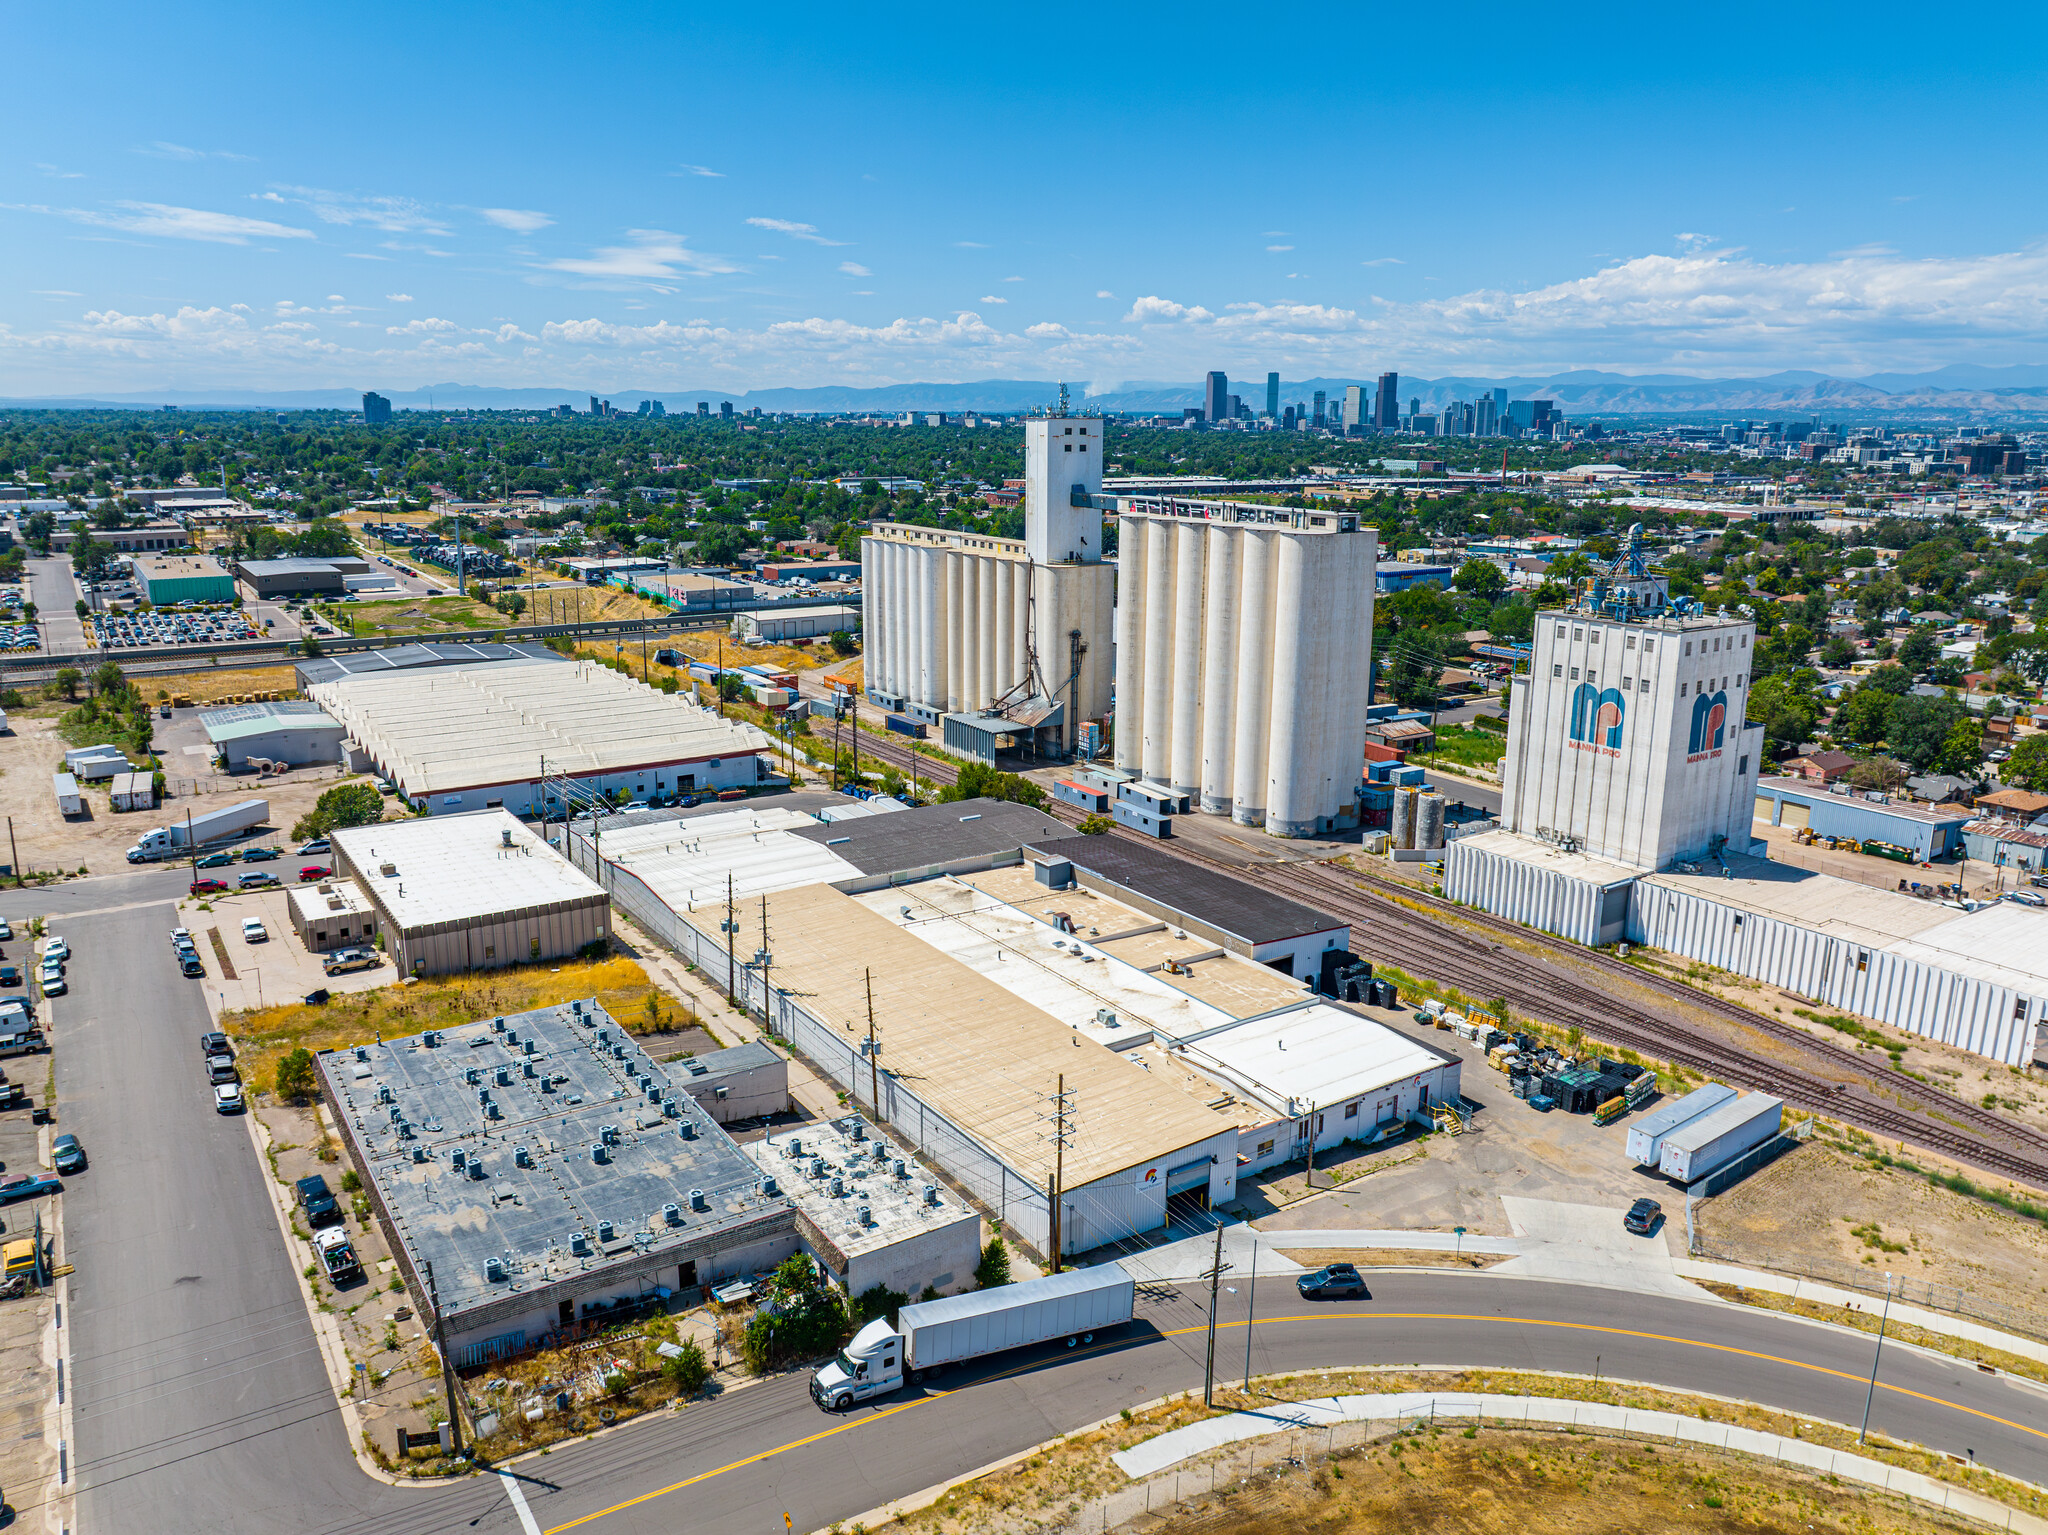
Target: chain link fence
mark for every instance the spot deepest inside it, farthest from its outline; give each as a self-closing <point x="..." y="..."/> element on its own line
<point x="1869" y="1279"/>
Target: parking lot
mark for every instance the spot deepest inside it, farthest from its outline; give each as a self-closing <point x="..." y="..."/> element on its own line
<point x="268" y="970"/>
<point x="159" y="627"/>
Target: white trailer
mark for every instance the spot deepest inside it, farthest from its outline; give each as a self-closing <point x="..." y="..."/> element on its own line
<point x="134" y="791"/>
<point x="69" y="800"/>
<point x="1719" y="1136"/>
<point x="1646" y="1135"/>
<point x="1074" y="1305"/>
<point x="201" y="831"/>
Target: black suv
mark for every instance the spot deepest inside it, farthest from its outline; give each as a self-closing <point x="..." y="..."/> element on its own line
<point x="1642" y="1217"/>
<point x="321" y="1209"/>
<point x="1339" y="1281"/>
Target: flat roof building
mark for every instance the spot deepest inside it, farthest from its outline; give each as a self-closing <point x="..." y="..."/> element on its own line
<point x="749" y="1081"/>
<point x="470" y="892"/>
<point x="795" y="623"/>
<point x="869" y="1210"/>
<point x="409" y="657"/>
<point x="290" y="578"/>
<point x="333" y="914"/>
<point x="548" y="1169"/>
<point x="476" y="737"/>
<point x="171" y="578"/>
<point x="289" y="731"/>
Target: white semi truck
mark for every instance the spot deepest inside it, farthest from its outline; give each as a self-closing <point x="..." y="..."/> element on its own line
<point x="1075" y="1305"/>
<point x="200" y="832"/>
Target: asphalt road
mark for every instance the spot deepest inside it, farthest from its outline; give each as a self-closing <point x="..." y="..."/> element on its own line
<point x="201" y="1403"/>
<point x="55" y="595"/>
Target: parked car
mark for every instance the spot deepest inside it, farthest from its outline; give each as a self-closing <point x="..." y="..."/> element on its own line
<point x="189" y="964"/>
<point x="313" y="871"/>
<point x="27" y="1186"/>
<point x="10" y="975"/>
<point x="221" y="1068"/>
<point x="66" y="1155"/>
<point x="253" y="931"/>
<point x="181" y="937"/>
<point x="342" y="961"/>
<point x="261" y="854"/>
<point x="54" y="984"/>
<point x="317" y="845"/>
<point x="261" y="880"/>
<point x="227" y="1098"/>
<point x="215" y="861"/>
<point x="6" y="931"/>
<point x="1336" y="1281"/>
<point x="208" y="886"/>
<point x="213" y="1042"/>
<point x="1642" y="1217"/>
<point x="318" y="1200"/>
<point x="56" y="948"/>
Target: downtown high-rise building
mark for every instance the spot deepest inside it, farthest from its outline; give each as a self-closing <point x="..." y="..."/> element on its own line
<point x="1354" y="408"/>
<point x="376" y="409"/>
<point x="1387" y="403"/>
<point x="1216" y="398"/>
<point x="1320" y="419"/>
<point x="1273" y="396"/>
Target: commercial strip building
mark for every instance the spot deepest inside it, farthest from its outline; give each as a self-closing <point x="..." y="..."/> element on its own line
<point x="171" y="578"/>
<point x="470" y="892"/>
<point x="474" y="737"/>
<point x="291" y="732"/>
<point x="547" y="1168"/>
<point x="333" y="914"/>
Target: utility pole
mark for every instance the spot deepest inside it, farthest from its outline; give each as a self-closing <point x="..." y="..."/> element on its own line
<point x="1309" y="1181"/>
<point x="13" y="855"/>
<point x="874" y="1050"/>
<point x="447" y="1366"/>
<point x="767" y="1016"/>
<point x="1062" y="1132"/>
<point x="731" y="927"/>
<point x="1217" y="1269"/>
<point x="1872" y="1392"/>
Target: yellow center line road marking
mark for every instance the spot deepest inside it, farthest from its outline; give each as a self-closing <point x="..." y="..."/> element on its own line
<point x="1380" y="1316"/>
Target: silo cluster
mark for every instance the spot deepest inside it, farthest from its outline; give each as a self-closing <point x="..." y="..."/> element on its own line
<point x="1417" y="819"/>
<point x="1244" y="657"/>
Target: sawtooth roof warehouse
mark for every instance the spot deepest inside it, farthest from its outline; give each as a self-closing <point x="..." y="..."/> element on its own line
<point x="456" y="738"/>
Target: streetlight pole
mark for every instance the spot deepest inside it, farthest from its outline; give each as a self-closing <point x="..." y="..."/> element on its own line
<point x="1251" y="1301"/>
<point x="1871" y="1393"/>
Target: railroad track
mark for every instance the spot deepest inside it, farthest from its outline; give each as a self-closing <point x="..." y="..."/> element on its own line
<point x="1837" y="1083"/>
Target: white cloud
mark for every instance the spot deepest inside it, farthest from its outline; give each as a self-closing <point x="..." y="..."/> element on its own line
<point x="854" y="269"/>
<point x="1278" y="248"/>
<point x="697" y="170"/>
<point x="1153" y="310"/>
<point x="1104" y="293"/>
<point x="969" y="245"/>
<point x="510" y="332"/>
<point x="398" y="298"/>
<point x="518" y="220"/>
<point x="990" y="298"/>
<point x="60" y="175"/>
<point x="162" y="149"/>
<point x="1384" y="261"/>
<point x="430" y="326"/>
<point x="167" y="221"/>
<point x="393" y="215"/>
<point x="55" y="293"/>
<point x="795" y="230"/>
<point x="1013" y="279"/>
<point x="654" y="258"/>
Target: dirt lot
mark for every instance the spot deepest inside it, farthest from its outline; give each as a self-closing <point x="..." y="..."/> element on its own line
<point x="1840" y="1218"/>
<point x="417" y="615"/>
<point x="98" y="839"/>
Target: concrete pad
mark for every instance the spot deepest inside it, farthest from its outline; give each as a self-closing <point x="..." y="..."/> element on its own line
<point x="1585" y="1244"/>
<point x="1404" y="1241"/>
<point x="1191" y="1257"/>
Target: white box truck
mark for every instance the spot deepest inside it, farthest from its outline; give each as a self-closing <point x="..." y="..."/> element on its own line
<point x="200" y="832"/>
<point x="1646" y="1135"/>
<point x="1074" y="1305"/>
<point x="69" y="800"/>
<point x="1720" y="1135"/>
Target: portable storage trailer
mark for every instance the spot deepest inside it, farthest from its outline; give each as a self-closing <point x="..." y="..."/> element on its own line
<point x="1141" y="818"/>
<point x="135" y="791"/>
<point x="69" y="800"/>
<point x="1086" y="796"/>
<point x="1721" y="1135"/>
<point x="1646" y="1137"/>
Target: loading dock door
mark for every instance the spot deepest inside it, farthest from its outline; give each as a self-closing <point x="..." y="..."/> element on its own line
<point x="1796" y="815"/>
<point x="1187" y="1176"/>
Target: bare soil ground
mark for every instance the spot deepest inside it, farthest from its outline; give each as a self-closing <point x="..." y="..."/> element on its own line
<point x="1841" y="1218"/>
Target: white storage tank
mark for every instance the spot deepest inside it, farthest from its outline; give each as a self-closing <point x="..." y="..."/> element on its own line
<point x="1403" y="824"/>
<point x="1646" y="1135"/>
<point x="1429" y="830"/>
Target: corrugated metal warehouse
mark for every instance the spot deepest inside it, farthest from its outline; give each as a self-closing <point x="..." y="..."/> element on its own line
<point x="1931" y="831"/>
<point x="1977" y="980"/>
<point x="470" y="892"/>
<point x="1574" y="895"/>
<point x="293" y="732"/>
<point x="783" y="624"/>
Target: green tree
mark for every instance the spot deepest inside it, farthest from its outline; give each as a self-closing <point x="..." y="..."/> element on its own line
<point x="842" y="643"/>
<point x="1786" y="710"/>
<point x="978" y="780"/>
<point x="1962" y="751"/>
<point x="66" y="681"/>
<point x="1415" y="666"/>
<point x="294" y="1081"/>
<point x="348" y="804"/>
<point x="1865" y="716"/>
<point x="994" y="1269"/>
<point x="878" y="1301"/>
<point x="1920" y="727"/>
<point x="1480" y="578"/>
<point x="1837" y="653"/>
<point x="689" y="1369"/>
<point x="1917" y="651"/>
<point x="2028" y="767"/>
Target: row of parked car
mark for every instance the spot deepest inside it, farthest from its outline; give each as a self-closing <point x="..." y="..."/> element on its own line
<point x="168" y="626"/>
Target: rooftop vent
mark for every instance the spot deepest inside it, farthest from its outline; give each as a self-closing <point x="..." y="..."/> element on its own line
<point x="867" y="1216"/>
<point x="698" y="1068"/>
<point x="770" y="1186"/>
<point x="599" y="1153"/>
<point x="362" y="1052"/>
<point x="497" y="1025"/>
<point x="505" y="837"/>
<point x="698" y="1201"/>
<point x="689" y="1130"/>
<point x="473" y="1076"/>
<point x="579" y="1243"/>
<point x="522" y="1157"/>
<point x="604" y="1231"/>
<point x="419" y="1153"/>
<point x="902" y="1169"/>
<point x="388" y="869"/>
<point x="931" y="1194"/>
<point x="459" y="1160"/>
<point x="672" y="1213"/>
<point x="494" y="1269"/>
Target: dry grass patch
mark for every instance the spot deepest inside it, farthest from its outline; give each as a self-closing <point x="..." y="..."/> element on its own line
<point x="265" y="1036"/>
<point x="1388" y="1257"/>
<point x="209" y="684"/>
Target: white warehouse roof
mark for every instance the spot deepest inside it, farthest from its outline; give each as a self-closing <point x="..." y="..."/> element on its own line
<point x="445" y="728"/>
<point x="1315" y="1054"/>
<point x="460" y="868"/>
<point x="686" y="862"/>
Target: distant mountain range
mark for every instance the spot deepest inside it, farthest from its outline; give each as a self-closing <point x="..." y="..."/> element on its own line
<point x="1961" y="389"/>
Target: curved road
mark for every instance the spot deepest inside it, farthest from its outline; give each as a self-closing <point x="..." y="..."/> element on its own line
<point x="200" y="1402"/>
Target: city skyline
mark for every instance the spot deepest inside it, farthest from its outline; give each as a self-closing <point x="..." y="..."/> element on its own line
<point x="736" y="212"/>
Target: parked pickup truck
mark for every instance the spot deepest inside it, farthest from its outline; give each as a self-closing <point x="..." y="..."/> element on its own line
<point x="1075" y="1305"/>
<point x="338" y="1256"/>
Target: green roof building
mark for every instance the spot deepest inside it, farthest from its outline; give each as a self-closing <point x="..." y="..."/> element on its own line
<point x="168" y="578"/>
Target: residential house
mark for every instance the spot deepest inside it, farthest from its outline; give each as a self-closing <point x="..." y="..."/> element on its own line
<point x="1818" y="767"/>
<point x="2018" y="806"/>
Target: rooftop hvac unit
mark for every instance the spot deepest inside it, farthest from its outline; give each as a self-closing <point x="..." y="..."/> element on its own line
<point x="618" y="1052"/>
<point x="599" y="1154"/>
<point x="547" y="1084"/>
<point x="719" y="1093"/>
<point x="881" y="1151"/>
<point x="817" y="1167"/>
<point x="522" y="1157"/>
<point x="504" y="1076"/>
<point x="528" y="1069"/>
<point x="610" y="1134"/>
<point x="856" y="1131"/>
<point x="396" y="1113"/>
<point x="511" y="1036"/>
<point x="653" y="1090"/>
<point x="601" y="1035"/>
<point x="419" y="1153"/>
<point x="576" y="1008"/>
<point x="794" y="1149"/>
<point x="902" y="1169"/>
<point x="491" y="1110"/>
<point x="528" y="1046"/>
<point x="433" y="1038"/>
<point x="838" y="1188"/>
<point x="1106" y="1017"/>
<point x="385" y="1095"/>
<point x="476" y="1168"/>
<point x="931" y="1194"/>
<point x="494" y="1269"/>
<point x="689" y="1129"/>
<point x="505" y="837"/>
<point x="497" y="1025"/>
<point x="604" y="1231"/>
<point x="669" y="1109"/>
<point x="672" y="1213"/>
<point x="867" y="1216"/>
<point x="459" y="1160"/>
<point x="473" y="1076"/>
<point x="698" y="1201"/>
<point x="579" y="1243"/>
<point x="697" y="1068"/>
<point x="770" y="1186"/>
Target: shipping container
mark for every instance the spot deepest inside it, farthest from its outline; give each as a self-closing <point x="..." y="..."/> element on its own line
<point x="1086" y="796"/>
<point x="134" y="791"/>
<point x="69" y="800"/>
<point x="1719" y="1136"/>
<point x="904" y="725"/>
<point x="1646" y="1136"/>
<point x="1141" y="818"/>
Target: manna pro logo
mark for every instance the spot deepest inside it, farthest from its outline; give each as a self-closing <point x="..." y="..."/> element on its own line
<point x="1709" y="725"/>
<point x="1596" y="719"/>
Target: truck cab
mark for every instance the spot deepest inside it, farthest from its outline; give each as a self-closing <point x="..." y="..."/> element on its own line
<point x="871" y="1365"/>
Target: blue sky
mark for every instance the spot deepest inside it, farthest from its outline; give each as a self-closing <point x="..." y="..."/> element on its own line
<point x="640" y="196"/>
